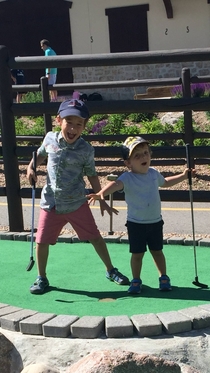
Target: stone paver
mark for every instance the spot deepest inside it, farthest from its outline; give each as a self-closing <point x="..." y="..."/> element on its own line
<point x="175" y="322"/>
<point x="8" y="309"/>
<point x="11" y="321"/>
<point x="88" y="327"/>
<point x="118" y="327"/>
<point x="59" y="326"/>
<point x="176" y="240"/>
<point x="66" y="238"/>
<point x="33" y="324"/>
<point x="147" y="325"/>
<point x="200" y="317"/>
<point x="204" y="242"/>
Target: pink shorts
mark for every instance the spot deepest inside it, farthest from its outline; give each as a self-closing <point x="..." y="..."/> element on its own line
<point x="82" y="221"/>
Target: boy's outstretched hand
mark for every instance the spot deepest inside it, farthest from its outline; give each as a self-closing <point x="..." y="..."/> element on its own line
<point x="103" y="205"/>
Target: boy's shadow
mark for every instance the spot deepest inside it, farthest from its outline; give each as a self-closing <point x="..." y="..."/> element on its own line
<point x="179" y="293"/>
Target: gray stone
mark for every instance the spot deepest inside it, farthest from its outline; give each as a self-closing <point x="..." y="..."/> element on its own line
<point x="21" y="236"/>
<point x="7" y="235"/>
<point x="59" y="326"/>
<point x="112" y="238"/>
<point x="66" y="238"/>
<point x="8" y="309"/>
<point x="33" y="324"/>
<point x="176" y="240"/>
<point x="88" y="327"/>
<point x="2" y="305"/>
<point x="200" y="317"/>
<point x="189" y="241"/>
<point x="124" y="239"/>
<point x="11" y="321"/>
<point x="147" y="325"/>
<point x="29" y="237"/>
<point x="175" y="322"/>
<point x="118" y="327"/>
<point x="204" y="242"/>
<point x="75" y="239"/>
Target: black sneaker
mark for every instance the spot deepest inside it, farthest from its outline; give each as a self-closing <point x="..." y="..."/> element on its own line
<point x="39" y="285"/>
<point x="117" y="277"/>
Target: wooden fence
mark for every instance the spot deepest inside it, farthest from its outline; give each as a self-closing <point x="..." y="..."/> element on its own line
<point x="13" y="155"/>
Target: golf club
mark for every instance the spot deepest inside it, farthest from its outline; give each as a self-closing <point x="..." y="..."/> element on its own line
<point x="31" y="263"/>
<point x="196" y="281"/>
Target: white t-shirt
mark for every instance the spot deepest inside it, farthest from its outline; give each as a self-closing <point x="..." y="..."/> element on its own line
<point x="142" y="196"/>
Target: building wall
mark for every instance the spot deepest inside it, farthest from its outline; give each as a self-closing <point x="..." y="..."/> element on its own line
<point x="189" y="28"/>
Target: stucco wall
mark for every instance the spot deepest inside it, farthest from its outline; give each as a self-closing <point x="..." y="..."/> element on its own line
<point x="189" y="28"/>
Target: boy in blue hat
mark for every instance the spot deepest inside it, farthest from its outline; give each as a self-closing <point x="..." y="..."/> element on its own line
<point x="63" y="198"/>
<point x="144" y="221"/>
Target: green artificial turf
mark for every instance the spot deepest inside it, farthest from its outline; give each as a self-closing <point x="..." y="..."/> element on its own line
<point x="78" y="285"/>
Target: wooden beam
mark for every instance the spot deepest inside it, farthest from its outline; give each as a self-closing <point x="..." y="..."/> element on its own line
<point x="169" y="9"/>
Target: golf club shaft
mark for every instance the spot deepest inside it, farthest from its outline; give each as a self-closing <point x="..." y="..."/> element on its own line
<point x="32" y="220"/>
<point x="31" y="263"/>
<point x="193" y="228"/>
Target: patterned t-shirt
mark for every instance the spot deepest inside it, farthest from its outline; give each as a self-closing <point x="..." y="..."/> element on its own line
<point x="66" y="167"/>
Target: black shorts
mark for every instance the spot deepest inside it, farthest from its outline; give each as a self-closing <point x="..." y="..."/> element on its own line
<point x="142" y="235"/>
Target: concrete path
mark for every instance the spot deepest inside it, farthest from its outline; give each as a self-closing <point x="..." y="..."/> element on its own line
<point x="176" y="215"/>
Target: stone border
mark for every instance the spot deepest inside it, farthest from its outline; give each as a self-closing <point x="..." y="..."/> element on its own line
<point x="31" y="322"/>
<point x="71" y="238"/>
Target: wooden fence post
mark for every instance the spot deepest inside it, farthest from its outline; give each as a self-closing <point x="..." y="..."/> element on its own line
<point x="7" y="123"/>
<point x="45" y="99"/>
<point x="186" y="89"/>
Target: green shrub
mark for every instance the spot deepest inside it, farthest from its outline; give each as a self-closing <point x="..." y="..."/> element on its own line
<point x="140" y="117"/>
<point x="32" y="97"/>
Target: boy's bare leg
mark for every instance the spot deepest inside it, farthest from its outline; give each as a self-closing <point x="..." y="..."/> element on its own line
<point x="101" y="249"/>
<point x="160" y="261"/>
<point x="42" y="252"/>
<point x="53" y="95"/>
<point x="136" y="264"/>
<point x="112" y="273"/>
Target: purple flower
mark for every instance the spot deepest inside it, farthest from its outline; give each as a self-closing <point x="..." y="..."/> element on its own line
<point x="98" y="127"/>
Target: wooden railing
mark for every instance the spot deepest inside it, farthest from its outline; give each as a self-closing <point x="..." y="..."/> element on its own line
<point x="12" y="154"/>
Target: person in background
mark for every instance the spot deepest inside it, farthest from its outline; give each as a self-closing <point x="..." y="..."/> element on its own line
<point x="63" y="198"/>
<point x="18" y="78"/>
<point x="51" y="73"/>
<point x="144" y="221"/>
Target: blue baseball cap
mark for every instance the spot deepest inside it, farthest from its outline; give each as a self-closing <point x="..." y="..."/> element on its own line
<point x="73" y="107"/>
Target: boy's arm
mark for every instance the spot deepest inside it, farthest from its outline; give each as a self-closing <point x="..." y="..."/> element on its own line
<point x="173" y="180"/>
<point x="110" y="188"/>
<point x="101" y="193"/>
<point x="31" y="175"/>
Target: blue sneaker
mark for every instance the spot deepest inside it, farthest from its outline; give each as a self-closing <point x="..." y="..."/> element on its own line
<point x="39" y="285"/>
<point x="164" y="283"/>
<point x="135" y="286"/>
<point x="117" y="277"/>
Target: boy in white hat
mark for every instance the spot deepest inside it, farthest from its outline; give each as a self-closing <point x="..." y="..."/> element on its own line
<point x="144" y="221"/>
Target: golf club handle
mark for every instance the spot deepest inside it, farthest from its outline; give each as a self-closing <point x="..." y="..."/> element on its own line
<point x="34" y="167"/>
<point x="188" y="163"/>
